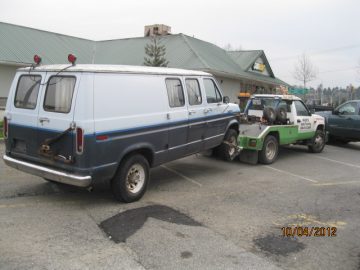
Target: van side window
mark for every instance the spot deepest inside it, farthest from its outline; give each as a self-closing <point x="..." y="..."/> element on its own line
<point x="193" y="90"/>
<point x="175" y="93"/>
<point x="27" y="92"/>
<point x="212" y="92"/>
<point x="59" y="93"/>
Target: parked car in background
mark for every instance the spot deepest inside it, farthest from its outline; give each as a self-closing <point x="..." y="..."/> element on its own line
<point x="343" y="124"/>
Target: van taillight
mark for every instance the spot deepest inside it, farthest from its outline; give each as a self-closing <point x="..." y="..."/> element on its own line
<point x="5" y="128"/>
<point x="79" y="140"/>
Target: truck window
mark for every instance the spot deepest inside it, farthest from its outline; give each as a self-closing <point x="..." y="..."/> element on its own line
<point x="301" y="110"/>
<point x="285" y="105"/>
<point x="348" y="109"/>
<point x="193" y="90"/>
<point x="212" y="92"/>
<point x="59" y="93"/>
<point x="175" y="93"/>
<point x="261" y="103"/>
<point x="27" y="92"/>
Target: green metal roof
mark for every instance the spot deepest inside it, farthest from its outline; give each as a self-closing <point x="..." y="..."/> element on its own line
<point x="19" y="44"/>
<point x="245" y="58"/>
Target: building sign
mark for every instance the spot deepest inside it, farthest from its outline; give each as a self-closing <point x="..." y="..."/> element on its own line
<point x="258" y="67"/>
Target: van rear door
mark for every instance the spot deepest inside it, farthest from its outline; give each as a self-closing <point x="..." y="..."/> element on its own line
<point x="22" y="112"/>
<point x="56" y="115"/>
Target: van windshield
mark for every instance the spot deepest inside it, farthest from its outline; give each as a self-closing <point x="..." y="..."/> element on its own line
<point x="27" y="91"/>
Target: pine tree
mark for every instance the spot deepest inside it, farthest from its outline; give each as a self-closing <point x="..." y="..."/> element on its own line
<point x="156" y="54"/>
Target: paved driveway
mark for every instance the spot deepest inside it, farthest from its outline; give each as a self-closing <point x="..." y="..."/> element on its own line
<point x="199" y="213"/>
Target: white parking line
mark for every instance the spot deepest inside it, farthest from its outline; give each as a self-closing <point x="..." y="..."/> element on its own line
<point x="337" y="161"/>
<point x="289" y="173"/>
<point x="181" y="175"/>
<point x="337" y="183"/>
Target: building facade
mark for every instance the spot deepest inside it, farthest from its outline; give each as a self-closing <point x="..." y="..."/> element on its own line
<point x="237" y="71"/>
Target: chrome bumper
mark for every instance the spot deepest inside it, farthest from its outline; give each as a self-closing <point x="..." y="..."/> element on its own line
<point x="57" y="176"/>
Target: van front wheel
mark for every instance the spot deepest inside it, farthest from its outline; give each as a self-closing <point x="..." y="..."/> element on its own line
<point x="130" y="182"/>
<point x="228" y="149"/>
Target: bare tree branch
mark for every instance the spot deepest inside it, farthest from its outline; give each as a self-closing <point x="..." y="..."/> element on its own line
<point x="304" y="70"/>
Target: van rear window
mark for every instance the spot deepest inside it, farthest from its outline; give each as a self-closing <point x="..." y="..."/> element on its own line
<point x="27" y="92"/>
<point x="59" y="93"/>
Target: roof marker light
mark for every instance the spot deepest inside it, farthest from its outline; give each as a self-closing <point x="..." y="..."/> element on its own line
<point x="37" y="59"/>
<point x="72" y="59"/>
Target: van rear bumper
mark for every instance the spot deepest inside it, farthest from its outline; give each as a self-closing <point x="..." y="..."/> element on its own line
<point x="55" y="175"/>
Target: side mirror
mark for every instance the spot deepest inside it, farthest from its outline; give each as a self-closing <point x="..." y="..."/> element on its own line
<point x="226" y="99"/>
<point x="312" y="111"/>
<point x="336" y="112"/>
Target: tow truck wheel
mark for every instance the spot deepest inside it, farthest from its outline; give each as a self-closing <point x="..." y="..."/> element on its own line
<point x="318" y="142"/>
<point x="228" y="149"/>
<point x="270" y="150"/>
<point x="130" y="182"/>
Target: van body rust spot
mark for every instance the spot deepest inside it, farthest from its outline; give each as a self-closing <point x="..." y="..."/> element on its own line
<point x="123" y="225"/>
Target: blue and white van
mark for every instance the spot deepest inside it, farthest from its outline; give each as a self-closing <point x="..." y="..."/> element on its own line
<point x="80" y="123"/>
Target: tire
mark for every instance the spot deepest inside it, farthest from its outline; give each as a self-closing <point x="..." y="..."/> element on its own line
<point x="269" y="114"/>
<point x="270" y="150"/>
<point x="317" y="142"/>
<point x="227" y="149"/>
<point x="281" y="115"/>
<point x="131" y="179"/>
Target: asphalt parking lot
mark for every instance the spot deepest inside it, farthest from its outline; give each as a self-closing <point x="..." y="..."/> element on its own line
<point x="198" y="213"/>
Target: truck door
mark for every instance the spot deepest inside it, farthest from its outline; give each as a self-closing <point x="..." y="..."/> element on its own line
<point x="346" y="121"/>
<point x="177" y="117"/>
<point x="23" y="113"/>
<point x="197" y="123"/>
<point x="56" y="115"/>
<point x="303" y="120"/>
<point x="214" y="111"/>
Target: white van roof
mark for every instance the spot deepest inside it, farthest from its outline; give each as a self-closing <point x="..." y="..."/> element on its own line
<point x="116" y="69"/>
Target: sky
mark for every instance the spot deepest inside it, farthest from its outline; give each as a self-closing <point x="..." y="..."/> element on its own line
<point x="328" y="31"/>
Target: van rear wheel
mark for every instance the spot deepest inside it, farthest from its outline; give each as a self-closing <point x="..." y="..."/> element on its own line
<point x="131" y="180"/>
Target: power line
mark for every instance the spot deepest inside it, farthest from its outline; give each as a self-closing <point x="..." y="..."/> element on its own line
<point x="338" y="70"/>
<point x="344" y="48"/>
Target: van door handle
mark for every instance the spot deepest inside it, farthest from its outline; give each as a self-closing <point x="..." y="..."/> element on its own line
<point x="191" y="112"/>
<point x="299" y="121"/>
<point x="44" y="119"/>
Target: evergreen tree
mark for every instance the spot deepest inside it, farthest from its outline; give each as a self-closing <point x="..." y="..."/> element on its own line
<point x="156" y="53"/>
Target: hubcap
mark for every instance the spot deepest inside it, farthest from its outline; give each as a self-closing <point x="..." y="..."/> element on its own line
<point x="135" y="178"/>
<point x="233" y="145"/>
<point x="270" y="150"/>
<point x="319" y="141"/>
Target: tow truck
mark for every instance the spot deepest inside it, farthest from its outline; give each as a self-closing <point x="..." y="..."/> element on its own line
<point x="270" y="121"/>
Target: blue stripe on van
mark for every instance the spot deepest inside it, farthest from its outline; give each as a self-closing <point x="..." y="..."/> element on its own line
<point x="110" y="132"/>
<point x="167" y="124"/>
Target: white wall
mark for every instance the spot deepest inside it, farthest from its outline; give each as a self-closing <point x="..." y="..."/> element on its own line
<point x="230" y="88"/>
<point x="7" y="74"/>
